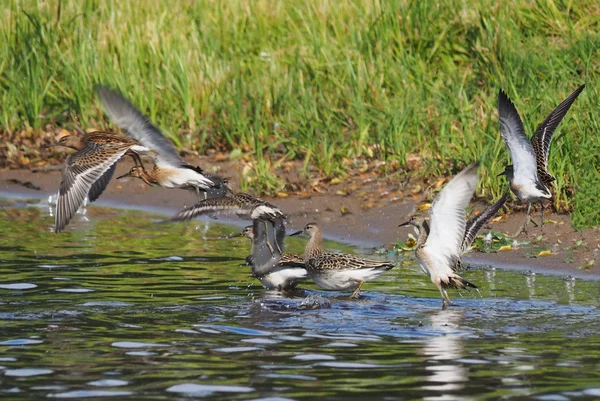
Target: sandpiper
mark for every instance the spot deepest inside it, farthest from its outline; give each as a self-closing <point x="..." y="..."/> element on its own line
<point x="287" y="272"/>
<point x="337" y="271"/>
<point x="170" y="171"/>
<point x="528" y="176"/>
<point x="153" y="177"/>
<point x="245" y="206"/>
<point x="87" y="171"/>
<point x="447" y="235"/>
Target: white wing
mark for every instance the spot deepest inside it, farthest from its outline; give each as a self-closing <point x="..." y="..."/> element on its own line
<point x="136" y="125"/>
<point x="447" y="217"/>
<point x="519" y="146"/>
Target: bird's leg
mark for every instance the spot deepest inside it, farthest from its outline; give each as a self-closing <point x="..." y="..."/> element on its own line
<point x="534" y="222"/>
<point x="542" y="205"/>
<point x="445" y="298"/>
<point x="357" y="290"/>
<point x="137" y="160"/>
<point x="523" y="228"/>
<point x="198" y="194"/>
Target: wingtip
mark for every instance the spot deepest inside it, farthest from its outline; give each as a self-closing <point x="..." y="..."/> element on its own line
<point x="503" y="100"/>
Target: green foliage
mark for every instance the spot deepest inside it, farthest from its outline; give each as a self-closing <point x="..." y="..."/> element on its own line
<point x="319" y="81"/>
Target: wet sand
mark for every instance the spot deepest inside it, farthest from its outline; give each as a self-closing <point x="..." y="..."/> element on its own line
<point x="361" y="211"/>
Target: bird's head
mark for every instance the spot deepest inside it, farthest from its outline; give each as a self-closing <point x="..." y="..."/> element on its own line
<point x="136" y="171"/>
<point x="69" y="141"/>
<point x="310" y="230"/>
<point x="412" y="222"/>
<point x="247" y="232"/>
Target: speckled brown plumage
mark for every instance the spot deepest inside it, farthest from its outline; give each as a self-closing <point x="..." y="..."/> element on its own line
<point x="337" y="271"/>
<point x="87" y="171"/>
<point x="242" y="204"/>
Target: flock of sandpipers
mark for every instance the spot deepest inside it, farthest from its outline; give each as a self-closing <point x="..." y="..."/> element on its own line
<point x="442" y="239"/>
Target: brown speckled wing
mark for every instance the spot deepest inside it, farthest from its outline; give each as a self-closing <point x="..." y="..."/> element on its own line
<point x="211" y="206"/>
<point x="80" y="172"/>
<point x="339" y="261"/>
<point x="291" y="260"/>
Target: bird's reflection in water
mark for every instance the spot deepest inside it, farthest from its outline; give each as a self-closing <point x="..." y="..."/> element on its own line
<point x="446" y="375"/>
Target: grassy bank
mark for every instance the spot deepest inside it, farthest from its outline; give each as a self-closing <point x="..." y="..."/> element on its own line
<point x="321" y="81"/>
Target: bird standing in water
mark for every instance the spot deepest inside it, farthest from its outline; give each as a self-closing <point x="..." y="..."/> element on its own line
<point x="447" y="235"/>
<point x="289" y="269"/>
<point x="528" y="176"/>
<point x="337" y="271"/>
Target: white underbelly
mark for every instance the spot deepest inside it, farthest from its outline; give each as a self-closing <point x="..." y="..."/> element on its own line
<point x="283" y="278"/>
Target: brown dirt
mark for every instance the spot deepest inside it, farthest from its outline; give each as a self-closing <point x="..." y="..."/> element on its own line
<point x="362" y="209"/>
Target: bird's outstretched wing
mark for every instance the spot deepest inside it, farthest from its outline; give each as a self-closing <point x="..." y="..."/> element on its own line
<point x="447" y="218"/>
<point x="265" y="252"/>
<point x="136" y="125"/>
<point x="211" y="206"/>
<point x="542" y="137"/>
<point x="100" y="185"/>
<point x="82" y="169"/>
<point x="475" y="224"/>
<point x="513" y="134"/>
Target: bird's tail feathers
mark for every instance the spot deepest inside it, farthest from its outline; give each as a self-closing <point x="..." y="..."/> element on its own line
<point x="458" y="282"/>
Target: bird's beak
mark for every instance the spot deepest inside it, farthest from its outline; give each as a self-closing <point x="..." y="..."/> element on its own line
<point x="123" y="176"/>
<point x="405" y="224"/>
<point x="296" y="233"/>
<point x="237" y="235"/>
<point x="49" y="146"/>
<point x="501" y="174"/>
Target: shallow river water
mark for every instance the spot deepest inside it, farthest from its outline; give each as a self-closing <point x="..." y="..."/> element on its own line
<point x="119" y="307"/>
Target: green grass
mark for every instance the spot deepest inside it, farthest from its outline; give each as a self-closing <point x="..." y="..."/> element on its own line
<point x="319" y="81"/>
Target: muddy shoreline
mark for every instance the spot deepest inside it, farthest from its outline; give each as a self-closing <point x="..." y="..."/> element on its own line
<point x="361" y="211"/>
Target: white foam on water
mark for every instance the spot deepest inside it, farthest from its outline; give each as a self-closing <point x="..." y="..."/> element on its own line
<point x="134" y="344"/>
<point x="27" y="372"/>
<point x="18" y="286"/>
<point x="201" y="390"/>
<point x="108" y="383"/>
<point x="83" y="394"/>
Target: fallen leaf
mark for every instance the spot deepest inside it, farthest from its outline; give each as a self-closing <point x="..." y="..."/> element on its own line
<point x="505" y="248"/>
<point x="545" y="252"/>
<point x="282" y="195"/>
<point x="424" y="206"/>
